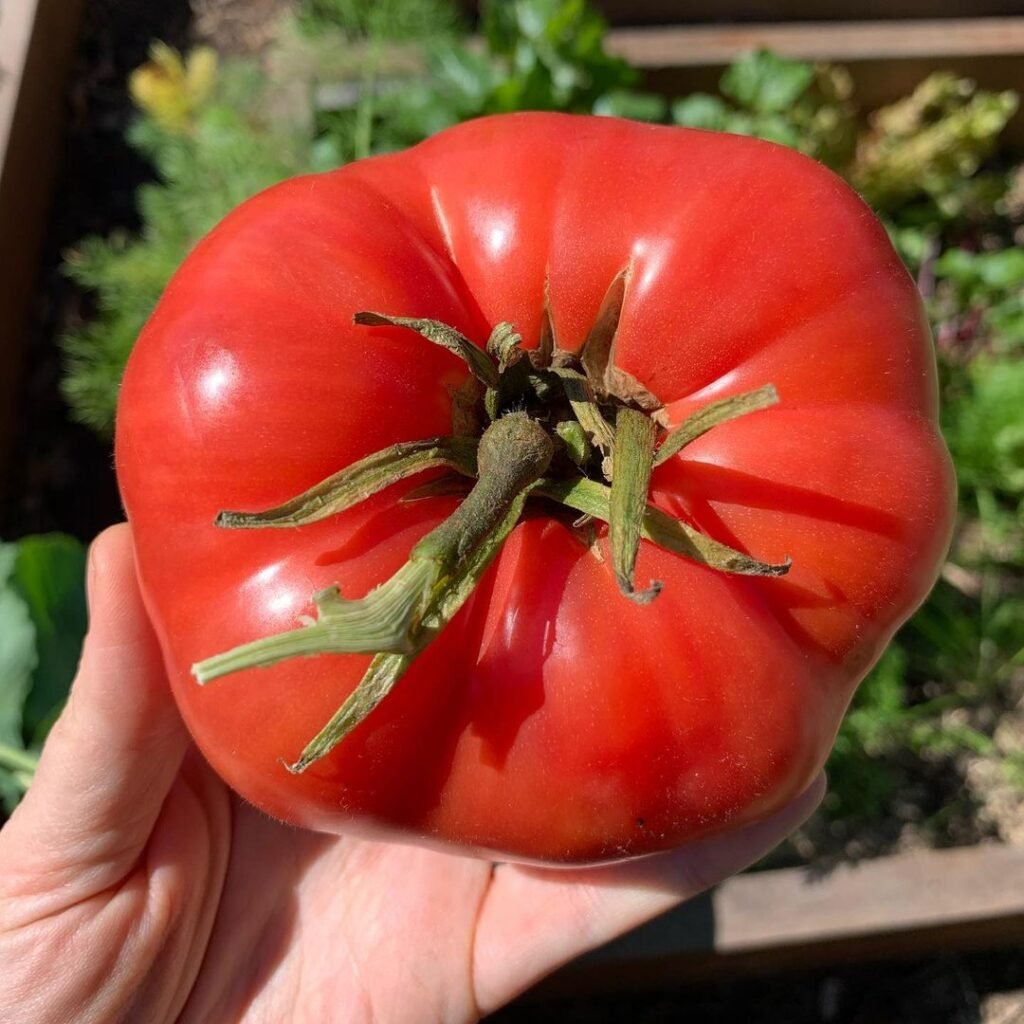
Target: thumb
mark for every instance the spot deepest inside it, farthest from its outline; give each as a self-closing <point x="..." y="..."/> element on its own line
<point x="110" y="758"/>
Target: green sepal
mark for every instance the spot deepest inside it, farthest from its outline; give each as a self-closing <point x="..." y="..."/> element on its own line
<point x="380" y="621"/>
<point x="576" y="442"/>
<point x="711" y="416"/>
<point x="584" y="406"/>
<point x="594" y="499"/>
<point x="504" y="345"/>
<point x="360" y="481"/>
<point x="479" y="362"/>
<point x="631" y="477"/>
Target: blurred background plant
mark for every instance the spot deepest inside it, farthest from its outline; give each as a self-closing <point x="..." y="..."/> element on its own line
<point x="42" y="623"/>
<point x="342" y="79"/>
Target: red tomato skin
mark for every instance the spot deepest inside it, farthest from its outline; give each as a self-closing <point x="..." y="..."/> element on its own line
<point x="553" y="720"/>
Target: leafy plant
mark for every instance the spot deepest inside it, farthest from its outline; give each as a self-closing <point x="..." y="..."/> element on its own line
<point x="806" y="106"/>
<point x="930" y="143"/>
<point x="214" y="141"/>
<point x="42" y="623"/>
<point x="979" y="301"/>
<point x="535" y="55"/>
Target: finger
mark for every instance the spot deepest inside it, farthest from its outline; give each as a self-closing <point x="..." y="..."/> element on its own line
<point x="111" y="756"/>
<point x="534" y="919"/>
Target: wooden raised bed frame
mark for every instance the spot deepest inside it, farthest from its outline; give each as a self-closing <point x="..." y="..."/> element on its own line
<point x="908" y="905"/>
<point x="887" y="59"/>
<point x="37" y="42"/>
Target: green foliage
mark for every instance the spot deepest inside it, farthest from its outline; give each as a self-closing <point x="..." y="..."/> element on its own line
<point x="859" y="781"/>
<point x="394" y="20"/>
<point x="229" y="149"/>
<point x="536" y="55"/>
<point x="550" y="55"/>
<point x="930" y="143"/>
<point x="805" y="106"/>
<point x="49" y="574"/>
<point x="984" y="425"/>
<point x="42" y="624"/>
<point x="767" y="83"/>
<point x="987" y="287"/>
<point x="18" y="660"/>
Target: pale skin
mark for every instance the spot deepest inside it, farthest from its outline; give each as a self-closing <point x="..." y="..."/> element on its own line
<point x="135" y="887"/>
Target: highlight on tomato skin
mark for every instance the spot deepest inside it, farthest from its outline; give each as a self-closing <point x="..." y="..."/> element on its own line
<point x="389" y="446"/>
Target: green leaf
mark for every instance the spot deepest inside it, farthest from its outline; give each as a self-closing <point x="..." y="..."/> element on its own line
<point x="17" y="662"/>
<point x="637" y="106"/>
<point x="981" y="425"/>
<point x="700" y="110"/>
<point x="18" y="657"/>
<point x="1003" y="269"/>
<point x="49" y="575"/>
<point x="766" y="83"/>
<point x="958" y="265"/>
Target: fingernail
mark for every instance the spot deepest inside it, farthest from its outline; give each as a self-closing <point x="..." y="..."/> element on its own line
<point x="91" y="576"/>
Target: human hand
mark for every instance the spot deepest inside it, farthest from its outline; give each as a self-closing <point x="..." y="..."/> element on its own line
<point x="135" y="887"/>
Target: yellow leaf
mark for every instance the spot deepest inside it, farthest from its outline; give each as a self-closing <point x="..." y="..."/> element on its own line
<point x="200" y="75"/>
<point x="172" y="91"/>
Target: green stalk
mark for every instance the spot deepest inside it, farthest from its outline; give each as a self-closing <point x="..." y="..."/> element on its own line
<point x="18" y="760"/>
<point x="396" y="620"/>
<point x="631" y="479"/>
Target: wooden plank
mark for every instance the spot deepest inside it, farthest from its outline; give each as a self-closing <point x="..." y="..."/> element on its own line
<point x="886" y="59"/>
<point x="622" y="12"/>
<point x="914" y="891"/>
<point x="905" y="905"/>
<point x="637" y="12"/>
<point x="705" y="45"/>
<point x="36" y="44"/>
<point x="662" y="12"/>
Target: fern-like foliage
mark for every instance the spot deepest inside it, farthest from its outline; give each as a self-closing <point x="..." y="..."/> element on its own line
<point x="209" y="156"/>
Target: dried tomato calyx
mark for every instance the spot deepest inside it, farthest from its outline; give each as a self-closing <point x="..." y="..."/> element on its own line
<point x="568" y="428"/>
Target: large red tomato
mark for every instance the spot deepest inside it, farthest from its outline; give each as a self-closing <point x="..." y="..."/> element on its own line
<point x="553" y="719"/>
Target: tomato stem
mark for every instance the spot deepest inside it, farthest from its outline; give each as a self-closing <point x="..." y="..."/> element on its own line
<point x="559" y="423"/>
<point x="399" y="617"/>
<point x="386" y="669"/>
